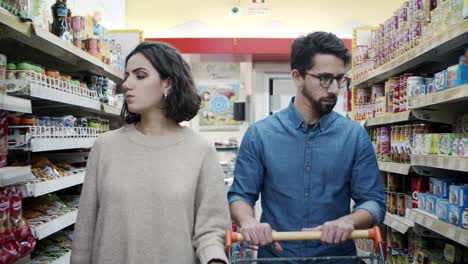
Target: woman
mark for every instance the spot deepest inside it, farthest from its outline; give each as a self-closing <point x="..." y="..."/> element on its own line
<point x="154" y="190"/>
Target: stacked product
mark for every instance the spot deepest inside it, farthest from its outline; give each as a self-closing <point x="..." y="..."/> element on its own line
<point x="393" y="97"/>
<point x="16" y="239"/>
<point x="53" y="248"/>
<point x="448" y="200"/>
<point x="415" y="22"/>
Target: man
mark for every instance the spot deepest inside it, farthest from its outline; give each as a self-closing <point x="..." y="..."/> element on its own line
<point x="307" y="162"/>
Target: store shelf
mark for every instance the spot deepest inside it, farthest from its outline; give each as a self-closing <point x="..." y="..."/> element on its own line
<point x="50" y="186"/>
<point x="49" y="144"/>
<point x="65" y="259"/>
<point x="429" y="50"/>
<point x="389" y="118"/>
<point x="112" y="110"/>
<point x="24" y="260"/>
<point x="452" y="232"/>
<point x="399" y="168"/>
<point x="14" y="175"/>
<point x="363" y="253"/>
<point x="440" y="162"/>
<point x="398" y="223"/>
<point x="15" y="104"/>
<point x="43" y="44"/>
<point x="446" y="96"/>
<point x="44" y="230"/>
<point x="42" y="92"/>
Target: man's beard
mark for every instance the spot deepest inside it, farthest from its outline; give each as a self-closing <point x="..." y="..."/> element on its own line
<point x="321" y="105"/>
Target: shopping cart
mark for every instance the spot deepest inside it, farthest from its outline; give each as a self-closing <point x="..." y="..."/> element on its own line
<point x="375" y="257"/>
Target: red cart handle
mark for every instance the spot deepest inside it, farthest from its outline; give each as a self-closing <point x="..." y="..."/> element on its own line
<point x="372" y="233"/>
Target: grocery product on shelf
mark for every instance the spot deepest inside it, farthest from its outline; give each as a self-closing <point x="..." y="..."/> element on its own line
<point x="398" y="90"/>
<point x="18" y="8"/>
<point x="61" y="25"/>
<point x="53" y="248"/>
<point x="16" y="239"/>
<point x="413" y="23"/>
<point x="43" y="209"/>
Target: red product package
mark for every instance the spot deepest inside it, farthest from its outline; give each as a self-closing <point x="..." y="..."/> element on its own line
<point x="27" y="246"/>
<point x="8" y="253"/>
<point x="4" y="216"/>
<point x="419" y="184"/>
<point x="17" y="225"/>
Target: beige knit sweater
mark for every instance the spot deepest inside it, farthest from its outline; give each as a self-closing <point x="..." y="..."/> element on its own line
<point x="151" y="200"/>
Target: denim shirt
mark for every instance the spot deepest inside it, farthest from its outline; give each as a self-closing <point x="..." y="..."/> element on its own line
<point x="307" y="177"/>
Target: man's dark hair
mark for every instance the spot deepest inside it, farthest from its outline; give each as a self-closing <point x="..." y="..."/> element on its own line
<point x="304" y="49"/>
<point x="182" y="102"/>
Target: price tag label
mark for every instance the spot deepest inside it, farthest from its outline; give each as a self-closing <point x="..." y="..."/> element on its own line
<point x="464" y="240"/>
<point x="428" y="222"/>
<point x="451" y="233"/>
<point x="419" y="218"/>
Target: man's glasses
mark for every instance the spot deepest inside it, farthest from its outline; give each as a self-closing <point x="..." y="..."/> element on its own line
<point x="326" y="80"/>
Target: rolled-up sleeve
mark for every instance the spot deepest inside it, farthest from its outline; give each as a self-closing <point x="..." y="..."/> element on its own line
<point x="249" y="170"/>
<point x="366" y="183"/>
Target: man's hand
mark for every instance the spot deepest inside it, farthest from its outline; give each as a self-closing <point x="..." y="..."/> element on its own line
<point x="334" y="232"/>
<point x="259" y="234"/>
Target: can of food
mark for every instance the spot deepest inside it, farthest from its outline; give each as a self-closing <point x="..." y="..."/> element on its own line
<point x="78" y="43"/>
<point x="408" y="129"/>
<point x="92" y="46"/>
<point x="393" y="202"/>
<point x="385" y="144"/>
<point x="401" y="204"/>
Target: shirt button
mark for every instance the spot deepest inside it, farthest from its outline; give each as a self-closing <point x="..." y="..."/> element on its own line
<point x="306" y="194"/>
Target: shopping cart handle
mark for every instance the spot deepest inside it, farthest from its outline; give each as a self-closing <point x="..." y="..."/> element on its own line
<point x="372" y="233"/>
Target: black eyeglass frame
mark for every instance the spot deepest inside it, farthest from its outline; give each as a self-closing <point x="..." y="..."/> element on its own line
<point x="326" y="81"/>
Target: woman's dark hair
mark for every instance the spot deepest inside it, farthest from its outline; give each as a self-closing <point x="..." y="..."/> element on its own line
<point x="304" y="48"/>
<point x="182" y="102"/>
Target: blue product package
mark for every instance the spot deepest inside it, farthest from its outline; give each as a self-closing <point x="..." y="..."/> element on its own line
<point x="431" y="203"/>
<point x="440" y="80"/>
<point x="442" y="209"/>
<point x="458" y="195"/>
<point x="455" y="215"/>
<point x="440" y="187"/>
<point x="462" y="75"/>
<point x="422" y="201"/>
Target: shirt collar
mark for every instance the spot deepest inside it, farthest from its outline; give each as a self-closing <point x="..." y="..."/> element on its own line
<point x="297" y="120"/>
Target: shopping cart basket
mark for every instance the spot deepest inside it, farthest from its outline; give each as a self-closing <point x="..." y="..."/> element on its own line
<point x="376" y="256"/>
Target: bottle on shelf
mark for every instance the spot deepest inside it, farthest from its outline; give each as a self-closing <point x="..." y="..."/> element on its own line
<point x="60" y="25"/>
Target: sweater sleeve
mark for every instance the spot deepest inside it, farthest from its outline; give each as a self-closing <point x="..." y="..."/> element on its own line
<point x="87" y="212"/>
<point x="211" y="211"/>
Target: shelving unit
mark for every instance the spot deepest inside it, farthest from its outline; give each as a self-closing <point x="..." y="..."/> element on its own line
<point x="50" y="144"/>
<point x="112" y="110"/>
<point x="65" y="259"/>
<point x="11" y="103"/>
<point x="435" y="49"/>
<point x="50" y="186"/>
<point x="398" y="223"/>
<point x="39" y="43"/>
<point x="450" y="95"/>
<point x="55" y="225"/>
<point x="44" y="99"/>
<point x="441" y="162"/>
<point x="15" y="175"/>
<point x="431" y="222"/>
<point x="399" y="168"/>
